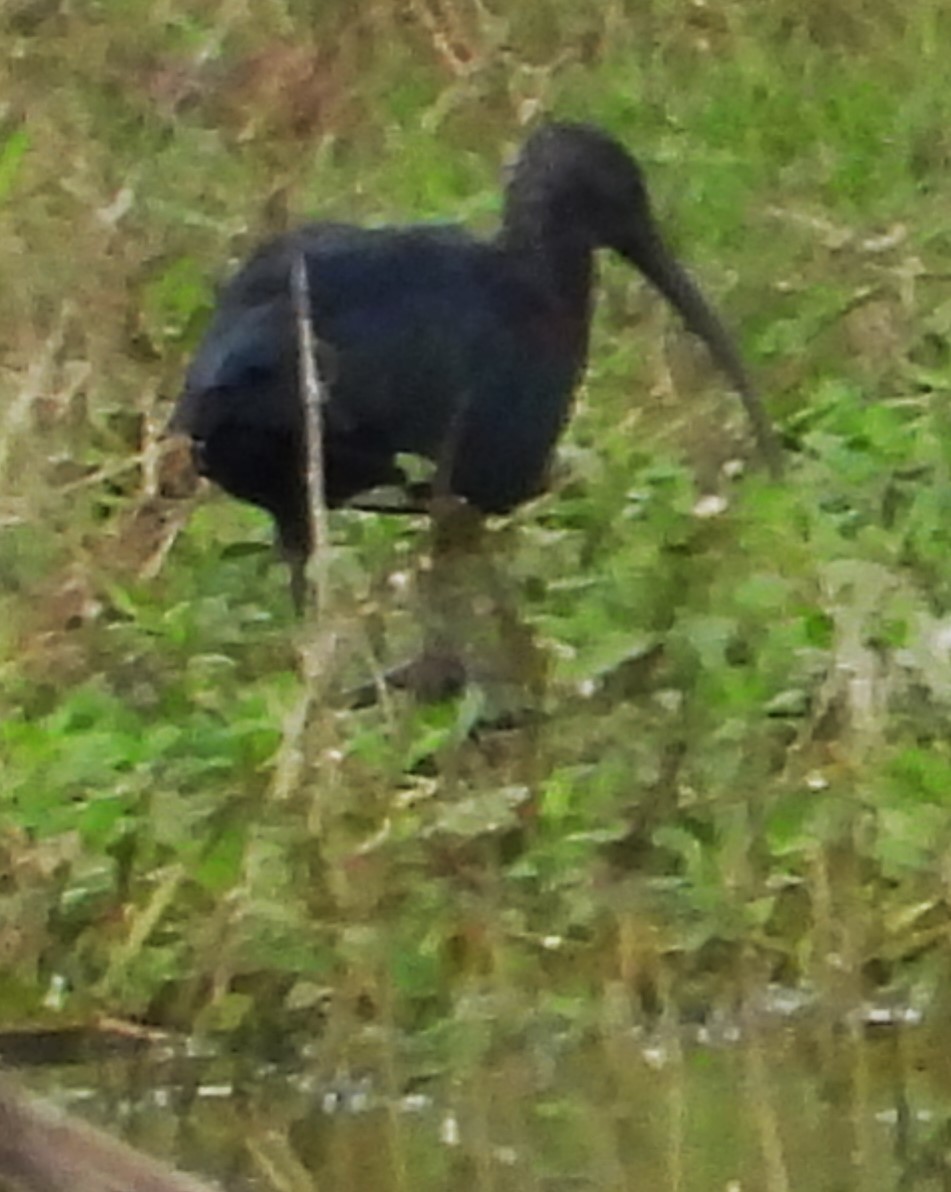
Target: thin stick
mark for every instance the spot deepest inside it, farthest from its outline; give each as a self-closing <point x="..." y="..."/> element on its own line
<point x="309" y="586"/>
<point x="312" y="396"/>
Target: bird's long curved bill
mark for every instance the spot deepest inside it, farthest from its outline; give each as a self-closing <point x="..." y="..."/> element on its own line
<point x="663" y="270"/>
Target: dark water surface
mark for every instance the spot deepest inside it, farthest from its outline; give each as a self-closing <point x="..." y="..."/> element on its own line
<point x="772" y="1106"/>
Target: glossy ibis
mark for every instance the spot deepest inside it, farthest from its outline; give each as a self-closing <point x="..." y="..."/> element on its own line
<point x="431" y="337"/>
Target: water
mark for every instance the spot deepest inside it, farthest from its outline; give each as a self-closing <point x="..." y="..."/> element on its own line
<point x="775" y="1105"/>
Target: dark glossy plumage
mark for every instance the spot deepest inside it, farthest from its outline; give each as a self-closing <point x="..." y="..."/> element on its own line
<point x="430" y="334"/>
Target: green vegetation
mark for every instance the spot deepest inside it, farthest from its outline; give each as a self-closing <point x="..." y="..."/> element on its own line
<point x="743" y="771"/>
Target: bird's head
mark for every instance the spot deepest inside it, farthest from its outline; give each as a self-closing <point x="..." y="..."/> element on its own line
<point x="243" y="372"/>
<point x="592" y="191"/>
<point x="582" y="183"/>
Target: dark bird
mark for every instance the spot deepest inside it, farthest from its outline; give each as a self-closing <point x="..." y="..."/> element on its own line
<point x="433" y="342"/>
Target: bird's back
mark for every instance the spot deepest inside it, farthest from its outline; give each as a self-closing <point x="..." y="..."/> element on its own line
<point x="428" y="332"/>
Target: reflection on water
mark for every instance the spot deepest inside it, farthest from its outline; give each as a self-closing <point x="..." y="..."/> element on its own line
<point x="782" y="1106"/>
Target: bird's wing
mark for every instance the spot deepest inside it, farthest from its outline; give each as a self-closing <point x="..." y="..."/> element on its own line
<point x="400" y="310"/>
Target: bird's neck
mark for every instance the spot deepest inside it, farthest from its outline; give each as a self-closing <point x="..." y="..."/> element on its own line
<point x="559" y="257"/>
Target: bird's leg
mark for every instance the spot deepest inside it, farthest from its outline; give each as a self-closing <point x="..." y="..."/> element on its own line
<point x="467" y="611"/>
<point x="445" y="587"/>
<point x="292" y="544"/>
<point x="456" y="537"/>
<point x="528" y="664"/>
<point x="448" y="606"/>
<point x="473" y="631"/>
<point x="297" y="565"/>
<point x="472" y="621"/>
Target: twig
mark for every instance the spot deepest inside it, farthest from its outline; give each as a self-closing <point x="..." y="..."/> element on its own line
<point x="310" y="591"/>
<point x="312" y="397"/>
